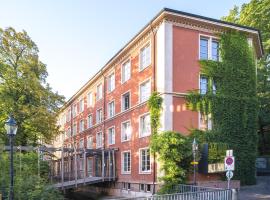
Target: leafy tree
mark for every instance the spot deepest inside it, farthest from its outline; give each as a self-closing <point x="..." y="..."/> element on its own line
<point x="234" y="105"/>
<point x="256" y="13"/>
<point x="29" y="184"/>
<point x="24" y="91"/>
<point x="174" y="154"/>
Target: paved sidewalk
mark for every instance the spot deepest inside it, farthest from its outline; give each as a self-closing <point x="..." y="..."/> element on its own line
<point x="261" y="191"/>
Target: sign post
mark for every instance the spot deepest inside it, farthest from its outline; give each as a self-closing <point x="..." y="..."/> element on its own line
<point x="229" y="165"/>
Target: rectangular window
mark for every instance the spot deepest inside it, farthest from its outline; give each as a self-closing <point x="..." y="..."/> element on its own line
<point x="89" y="99"/>
<point x="99" y="92"/>
<point x="111" y="82"/>
<point x="204" y="81"/>
<point x="74" y="128"/>
<point x="145" y="126"/>
<point x="145" y="57"/>
<point x="126" y="71"/>
<point x="89" y="121"/>
<point x="126" y="162"/>
<point x="74" y="110"/>
<point x="125" y="131"/>
<point x="111" y="109"/>
<point x="81" y="106"/>
<point x="145" y="160"/>
<point x="90" y="142"/>
<point x="69" y="132"/>
<point x="125" y="101"/>
<point x="203" y="84"/>
<point x="142" y="187"/>
<point x="111" y="136"/>
<point x="145" y="91"/>
<point x="81" y="145"/>
<point x="99" y="116"/>
<point x="203" y="48"/>
<point x="205" y="122"/>
<point x="99" y="140"/>
<point x="68" y="116"/>
<point x="215" y="50"/>
<point x="81" y="125"/>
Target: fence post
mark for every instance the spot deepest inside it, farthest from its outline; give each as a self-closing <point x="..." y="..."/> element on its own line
<point x="234" y="194"/>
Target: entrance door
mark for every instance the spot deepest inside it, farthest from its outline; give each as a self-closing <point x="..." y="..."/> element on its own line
<point x="90" y="167"/>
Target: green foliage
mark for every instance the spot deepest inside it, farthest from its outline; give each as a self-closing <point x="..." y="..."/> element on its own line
<point x="155" y="106"/>
<point x="216" y="152"/>
<point x="174" y="154"/>
<point x="28" y="184"/>
<point x="256" y="13"/>
<point x="234" y="106"/>
<point x="24" y="91"/>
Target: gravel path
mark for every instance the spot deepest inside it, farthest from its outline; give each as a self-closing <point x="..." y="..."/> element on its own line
<point x="261" y="191"/>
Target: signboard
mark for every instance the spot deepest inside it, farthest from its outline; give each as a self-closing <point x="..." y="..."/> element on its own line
<point x="229" y="175"/>
<point x="216" y="167"/>
<point x="229" y="163"/>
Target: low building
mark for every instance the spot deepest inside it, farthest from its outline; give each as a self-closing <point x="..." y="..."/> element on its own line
<point x="110" y="110"/>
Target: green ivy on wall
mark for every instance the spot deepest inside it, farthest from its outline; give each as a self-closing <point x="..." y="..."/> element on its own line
<point x="234" y="105"/>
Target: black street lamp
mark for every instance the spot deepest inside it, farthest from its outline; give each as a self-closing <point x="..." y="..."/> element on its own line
<point x="194" y="151"/>
<point x="11" y="128"/>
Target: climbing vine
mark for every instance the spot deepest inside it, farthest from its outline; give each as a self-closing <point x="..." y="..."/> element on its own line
<point x="234" y="105"/>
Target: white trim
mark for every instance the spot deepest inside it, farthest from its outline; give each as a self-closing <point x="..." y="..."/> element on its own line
<point x="88" y="102"/>
<point x="81" y="120"/>
<point x="87" y="140"/>
<point x="107" y="78"/>
<point x="102" y="117"/>
<point x="102" y="88"/>
<point x="128" y="91"/>
<point x="100" y="132"/>
<point x="122" y="162"/>
<point x="140" y="161"/>
<point x="108" y="134"/>
<point x="165" y="73"/>
<point x="139" y="93"/>
<point x="82" y="139"/>
<point x="140" y="116"/>
<point x="108" y="105"/>
<point x="88" y="121"/>
<point x="124" y="62"/>
<point x="209" y="47"/>
<point x="122" y="130"/>
<point x="150" y="48"/>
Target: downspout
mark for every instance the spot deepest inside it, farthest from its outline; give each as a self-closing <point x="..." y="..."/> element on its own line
<point x="154" y="89"/>
<point x="104" y="109"/>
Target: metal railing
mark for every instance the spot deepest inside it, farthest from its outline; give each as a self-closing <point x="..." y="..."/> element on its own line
<point x="190" y="192"/>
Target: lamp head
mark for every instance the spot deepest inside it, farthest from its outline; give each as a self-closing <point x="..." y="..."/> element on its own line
<point x="11" y="126"/>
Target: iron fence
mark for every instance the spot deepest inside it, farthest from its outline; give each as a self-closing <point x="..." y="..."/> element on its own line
<point x="190" y="192"/>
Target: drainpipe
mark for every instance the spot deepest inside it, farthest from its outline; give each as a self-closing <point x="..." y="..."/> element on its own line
<point x="154" y="89"/>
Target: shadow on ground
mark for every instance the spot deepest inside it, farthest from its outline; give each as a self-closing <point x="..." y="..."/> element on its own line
<point x="260" y="191"/>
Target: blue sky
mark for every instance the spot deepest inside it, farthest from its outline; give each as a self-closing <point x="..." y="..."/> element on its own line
<point x="77" y="37"/>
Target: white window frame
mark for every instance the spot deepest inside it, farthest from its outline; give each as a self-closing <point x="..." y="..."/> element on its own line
<point x="122" y="162"/>
<point x="109" y="109"/>
<point x="89" y="125"/>
<point x="74" y="110"/>
<point x="92" y="142"/>
<point x="110" y="86"/>
<point x="76" y="129"/>
<point x="90" y="99"/>
<point x="112" y="142"/>
<point x="122" y="102"/>
<point x="81" y="105"/>
<point x="99" y="93"/>
<point x="141" y="68"/>
<point x="101" y="141"/>
<point x="122" y="136"/>
<point x="140" y="125"/>
<point x="81" y="125"/>
<point x="210" y="39"/>
<point x="140" y="161"/>
<point x="99" y="118"/>
<point x="140" y="95"/>
<point x="123" y="72"/>
<point x="81" y="140"/>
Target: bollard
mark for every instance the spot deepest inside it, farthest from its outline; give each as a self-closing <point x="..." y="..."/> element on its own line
<point x="234" y="194"/>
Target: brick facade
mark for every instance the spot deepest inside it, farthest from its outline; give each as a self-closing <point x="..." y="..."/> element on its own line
<point x="173" y="38"/>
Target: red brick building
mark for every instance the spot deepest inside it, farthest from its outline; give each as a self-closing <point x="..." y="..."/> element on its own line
<point x="110" y="110"/>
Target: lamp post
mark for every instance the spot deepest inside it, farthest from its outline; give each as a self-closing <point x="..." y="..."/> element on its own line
<point x="194" y="151"/>
<point x="11" y="128"/>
